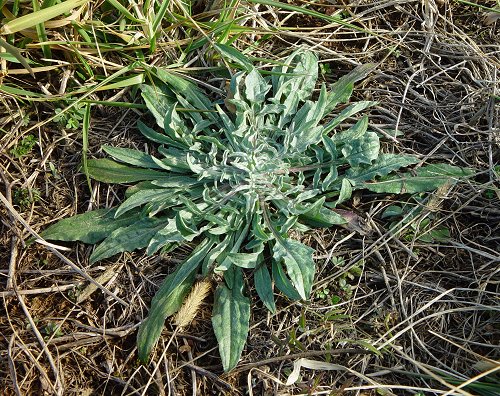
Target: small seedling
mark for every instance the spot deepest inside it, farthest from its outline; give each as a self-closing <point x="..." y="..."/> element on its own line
<point x="24" y="147"/>
<point x="25" y="197"/>
<point x="422" y="230"/>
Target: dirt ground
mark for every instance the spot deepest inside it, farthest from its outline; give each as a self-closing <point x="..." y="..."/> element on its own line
<point x="392" y="314"/>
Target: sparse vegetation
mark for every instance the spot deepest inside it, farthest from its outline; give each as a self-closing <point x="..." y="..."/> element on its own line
<point x="404" y="299"/>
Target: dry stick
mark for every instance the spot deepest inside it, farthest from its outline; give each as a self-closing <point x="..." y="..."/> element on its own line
<point x="193" y="372"/>
<point x="40" y="240"/>
<point x="13" y="243"/>
<point x="12" y="367"/>
<point x="35" y="362"/>
<point x="299" y="355"/>
<point x="12" y="264"/>
<point x="209" y="374"/>
<point x="42" y="290"/>
<point x="58" y="388"/>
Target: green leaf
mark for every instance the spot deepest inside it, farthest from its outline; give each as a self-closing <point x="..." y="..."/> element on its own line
<point x="256" y="87"/>
<point x="157" y="137"/>
<point x="294" y="82"/>
<point x="385" y="164"/>
<point x="345" y="191"/>
<point x="341" y="91"/>
<point x="230" y="320"/>
<point x="392" y="211"/>
<point x="349" y="111"/>
<point x="29" y="20"/>
<point x="363" y="150"/>
<point x="168" y="234"/>
<point x="187" y="91"/>
<point x="161" y="308"/>
<point x="264" y="287"/>
<point x="144" y="196"/>
<point x="426" y="178"/>
<point x="283" y="283"/>
<point x="234" y="55"/>
<point x="90" y="227"/>
<point x="168" y="300"/>
<point x="158" y="100"/>
<point x="441" y="234"/>
<point x="299" y="264"/>
<point x="182" y="220"/>
<point x="244" y="260"/>
<point x="16" y="55"/>
<point x="323" y="218"/>
<point x="355" y="132"/>
<point x="131" y="157"/>
<point x="127" y="239"/>
<point x="106" y="170"/>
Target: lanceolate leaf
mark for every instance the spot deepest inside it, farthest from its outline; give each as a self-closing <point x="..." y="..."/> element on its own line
<point x="235" y="56"/>
<point x="166" y="302"/>
<point x="264" y="287"/>
<point x="283" y="283"/>
<point x="131" y="157"/>
<point x="427" y="178"/>
<point x="324" y="217"/>
<point x="346" y="113"/>
<point x="169" y="299"/>
<point x="144" y="196"/>
<point x="158" y="101"/>
<point x="299" y="264"/>
<point x="125" y="239"/>
<point x="230" y="320"/>
<point x="385" y="164"/>
<point x="106" y="170"/>
<point x="341" y="91"/>
<point x="90" y="227"/>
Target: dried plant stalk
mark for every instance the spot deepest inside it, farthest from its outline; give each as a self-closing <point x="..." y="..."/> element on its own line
<point x="192" y="304"/>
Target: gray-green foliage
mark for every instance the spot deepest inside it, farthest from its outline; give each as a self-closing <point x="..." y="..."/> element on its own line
<point x="236" y="184"/>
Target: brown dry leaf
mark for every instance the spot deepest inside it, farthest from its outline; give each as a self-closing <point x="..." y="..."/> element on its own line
<point x="491" y="17"/>
<point x="354" y="222"/>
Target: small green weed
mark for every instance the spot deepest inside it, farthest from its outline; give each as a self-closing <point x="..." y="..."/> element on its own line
<point x="52" y="329"/>
<point x="24" y="147"/>
<point x="419" y="229"/>
<point x="71" y="119"/>
<point x="24" y="197"/>
<point x="236" y="184"/>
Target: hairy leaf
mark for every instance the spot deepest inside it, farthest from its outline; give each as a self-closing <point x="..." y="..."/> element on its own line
<point x="106" y="170"/>
<point x="90" y="227"/>
<point x="126" y="239"/>
<point x="385" y="164"/>
<point x="426" y="178"/>
<point x="168" y="299"/>
<point x="299" y="264"/>
<point x="363" y="150"/>
<point x="264" y="287"/>
<point x="230" y="320"/>
<point x="131" y="157"/>
<point x="283" y="283"/>
<point x="166" y="302"/>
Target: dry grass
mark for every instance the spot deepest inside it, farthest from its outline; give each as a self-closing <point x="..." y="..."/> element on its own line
<point x="428" y="311"/>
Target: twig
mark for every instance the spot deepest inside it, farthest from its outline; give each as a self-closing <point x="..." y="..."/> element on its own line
<point x="208" y="374"/>
<point x="18" y="217"/>
<point x="58" y="387"/>
<point x="299" y="355"/>
<point x="12" y="367"/>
